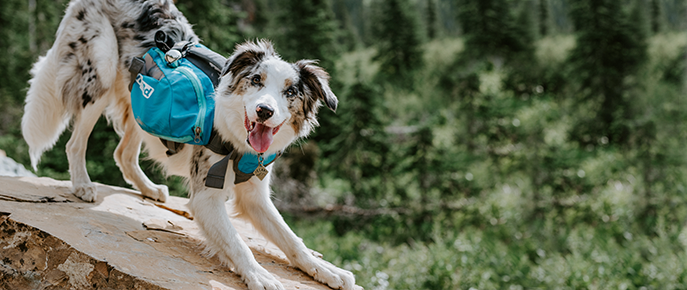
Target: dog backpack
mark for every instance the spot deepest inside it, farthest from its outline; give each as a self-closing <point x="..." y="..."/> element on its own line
<point x="173" y="88"/>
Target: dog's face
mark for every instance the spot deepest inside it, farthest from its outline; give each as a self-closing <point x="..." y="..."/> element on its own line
<point x="265" y="103"/>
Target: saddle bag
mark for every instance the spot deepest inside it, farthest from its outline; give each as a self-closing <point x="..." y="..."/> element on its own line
<point x="172" y="90"/>
<point x="172" y="97"/>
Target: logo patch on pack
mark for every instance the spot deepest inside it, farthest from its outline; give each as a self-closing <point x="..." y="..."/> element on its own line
<point x="146" y="89"/>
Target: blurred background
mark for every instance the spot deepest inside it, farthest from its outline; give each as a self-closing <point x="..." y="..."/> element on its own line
<point x="479" y="144"/>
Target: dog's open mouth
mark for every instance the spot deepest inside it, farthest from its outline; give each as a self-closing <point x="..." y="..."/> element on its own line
<point x="260" y="136"/>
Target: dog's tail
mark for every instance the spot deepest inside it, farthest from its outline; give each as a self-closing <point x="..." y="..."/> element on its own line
<point x="45" y="116"/>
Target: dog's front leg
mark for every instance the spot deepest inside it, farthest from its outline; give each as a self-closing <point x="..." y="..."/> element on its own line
<point x="208" y="207"/>
<point x="253" y="202"/>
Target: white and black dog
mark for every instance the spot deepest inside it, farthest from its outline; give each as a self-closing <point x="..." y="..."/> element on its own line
<point x="85" y="74"/>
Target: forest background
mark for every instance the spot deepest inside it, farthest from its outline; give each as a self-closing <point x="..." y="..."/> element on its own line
<point x="479" y="144"/>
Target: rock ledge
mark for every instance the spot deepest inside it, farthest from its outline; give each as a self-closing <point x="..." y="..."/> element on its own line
<point x="50" y="239"/>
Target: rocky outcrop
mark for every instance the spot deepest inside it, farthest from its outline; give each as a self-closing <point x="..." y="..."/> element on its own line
<point x="50" y="239"/>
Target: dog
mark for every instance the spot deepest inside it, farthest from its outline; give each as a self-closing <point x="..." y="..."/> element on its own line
<point x="263" y="104"/>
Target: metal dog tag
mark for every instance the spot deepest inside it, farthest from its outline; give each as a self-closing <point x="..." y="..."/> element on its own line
<point x="260" y="172"/>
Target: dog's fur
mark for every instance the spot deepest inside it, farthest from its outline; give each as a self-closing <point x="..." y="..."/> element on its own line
<point x="85" y="75"/>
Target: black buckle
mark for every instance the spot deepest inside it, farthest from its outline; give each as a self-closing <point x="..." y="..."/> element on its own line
<point x="163" y="42"/>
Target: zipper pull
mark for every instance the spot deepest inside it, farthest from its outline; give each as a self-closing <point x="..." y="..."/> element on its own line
<point x="198" y="131"/>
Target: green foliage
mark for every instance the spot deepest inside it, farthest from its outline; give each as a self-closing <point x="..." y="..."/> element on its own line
<point x="501" y="159"/>
<point x="496" y="191"/>
<point x="491" y="29"/>
<point x="215" y="22"/>
<point x="24" y="33"/>
<point x="431" y="19"/>
<point x="396" y="31"/>
<point x="655" y="16"/>
<point x="543" y="17"/>
<point x="608" y="255"/>
<point x="358" y="152"/>
<point x="610" y="49"/>
<point x="305" y="29"/>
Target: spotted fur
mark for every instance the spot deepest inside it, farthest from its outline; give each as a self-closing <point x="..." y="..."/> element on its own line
<point x="85" y="74"/>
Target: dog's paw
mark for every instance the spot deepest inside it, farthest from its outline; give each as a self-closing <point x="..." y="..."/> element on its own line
<point x="86" y="192"/>
<point x="325" y="272"/>
<point x="260" y="279"/>
<point x="158" y="192"/>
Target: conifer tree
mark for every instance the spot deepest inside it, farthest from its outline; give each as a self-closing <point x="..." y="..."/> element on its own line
<point x="543" y="17"/>
<point x="359" y="151"/>
<point x="256" y="19"/>
<point x="347" y="36"/>
<point x="611" y="47"/>
<point x="214" y="22"/>
<point x="431" y="19"/>
<point x="491" y="29"/>
<point x="423" y="159"/>
<point x="525" y="27"/>
<point x="307" y="29"/>
<point x="396" y="30"/>
<point x="655" y="16"/>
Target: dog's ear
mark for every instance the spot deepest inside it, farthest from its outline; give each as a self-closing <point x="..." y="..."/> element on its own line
<point x="316" y="82"/>
<point x="246" y="56"/>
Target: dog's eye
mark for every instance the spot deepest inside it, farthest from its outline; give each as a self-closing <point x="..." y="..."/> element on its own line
<point x="290" y="92"/>
<point x="255" y="80"/>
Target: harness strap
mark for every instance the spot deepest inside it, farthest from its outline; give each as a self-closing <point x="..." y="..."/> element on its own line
<point x="208" y="61"/>
<point x="172" y="147"/>
<point x="217" y="172"/>
<point x="136" y="66"/>
<point x="218" y="146"/>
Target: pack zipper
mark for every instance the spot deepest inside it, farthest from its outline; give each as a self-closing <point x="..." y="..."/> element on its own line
<point x="198" y="88"/>
<point x="173" y="139"/>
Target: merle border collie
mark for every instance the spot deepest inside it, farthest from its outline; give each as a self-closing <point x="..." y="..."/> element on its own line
<point x="85" y="75"/>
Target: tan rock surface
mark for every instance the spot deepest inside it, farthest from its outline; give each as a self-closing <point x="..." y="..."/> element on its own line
<point x="50" y="239"/>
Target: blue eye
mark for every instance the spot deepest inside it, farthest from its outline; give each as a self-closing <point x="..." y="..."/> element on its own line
<point x="255" y="80"/>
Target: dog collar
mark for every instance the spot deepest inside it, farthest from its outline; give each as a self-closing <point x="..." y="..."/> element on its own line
<point x="245" y="165"/>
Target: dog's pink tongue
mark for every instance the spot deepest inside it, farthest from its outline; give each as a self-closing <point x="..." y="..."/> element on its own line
<point x="261" y="137"/>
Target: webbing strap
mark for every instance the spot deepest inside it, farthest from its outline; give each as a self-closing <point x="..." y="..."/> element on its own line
<point x="217" y="172"/>
<point x="172" y="147"/>
<point x="137" y="64"/>
<point x="217" y="145"/>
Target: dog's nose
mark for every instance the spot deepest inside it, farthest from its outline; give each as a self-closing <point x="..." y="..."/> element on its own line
<point x="264" y="112"/>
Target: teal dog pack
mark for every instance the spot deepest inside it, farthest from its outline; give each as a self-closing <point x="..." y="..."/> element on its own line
<point x="172" y="97"/>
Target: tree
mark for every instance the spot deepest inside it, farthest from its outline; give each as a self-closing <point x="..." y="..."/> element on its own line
<point x="359" y="151"/>
<point x="655" y="16"/>
<point x="396" y="30"/>
<point x="348" y="36"/>
<point x="214" y="22"/>
<point x="492" y="30"/>
<point x="431" y="19"/>
<point x="307" y="30"/>
<point x="543" y="17"/>
<point x="611" y="47"/>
